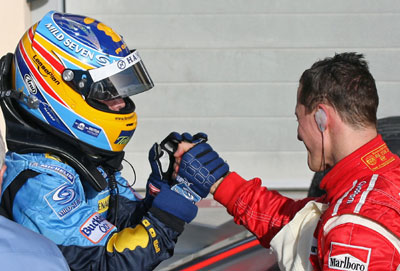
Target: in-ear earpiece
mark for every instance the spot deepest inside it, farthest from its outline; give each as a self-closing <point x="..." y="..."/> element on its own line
<point x="320" y="119"/>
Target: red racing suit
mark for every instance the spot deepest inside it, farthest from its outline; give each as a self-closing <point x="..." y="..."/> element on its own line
<point x="360" y="230"/>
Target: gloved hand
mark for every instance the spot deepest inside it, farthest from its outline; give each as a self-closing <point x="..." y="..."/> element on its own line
<point x="161" y="158"/>
<point x="175" y="204"/>
<point x="161" y="162"/>
<point x="200" y="168"/>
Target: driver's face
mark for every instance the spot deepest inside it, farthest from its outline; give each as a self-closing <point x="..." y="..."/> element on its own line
<point x="115" y="104"/>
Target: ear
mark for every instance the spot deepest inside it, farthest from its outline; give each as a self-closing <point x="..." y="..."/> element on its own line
<point x="320" y="119"/>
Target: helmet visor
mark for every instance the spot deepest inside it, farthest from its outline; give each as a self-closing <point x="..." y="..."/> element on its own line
<point x="120" y="79"/>
<point x="123" y="78"/>
<point x="125" y="83"/>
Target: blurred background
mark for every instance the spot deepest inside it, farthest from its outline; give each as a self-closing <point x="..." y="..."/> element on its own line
<point x="230" y="68"/>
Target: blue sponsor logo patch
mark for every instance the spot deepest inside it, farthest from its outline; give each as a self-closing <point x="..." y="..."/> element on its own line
<point x="63" y="200"/>
<point x="86" y="128"/>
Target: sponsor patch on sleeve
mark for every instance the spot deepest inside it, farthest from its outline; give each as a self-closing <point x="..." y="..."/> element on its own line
<point x="63" y="200"/>
<point x="348" y="257"/>
<point x="95" y="228"/>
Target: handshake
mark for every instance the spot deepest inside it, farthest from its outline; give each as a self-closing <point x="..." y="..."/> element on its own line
<point x="184" y="164"/>
<point x="187" y="164"/>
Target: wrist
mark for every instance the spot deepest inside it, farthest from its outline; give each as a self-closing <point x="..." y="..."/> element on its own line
<point x="175" y="204"/>
<point x="216" y="184"/>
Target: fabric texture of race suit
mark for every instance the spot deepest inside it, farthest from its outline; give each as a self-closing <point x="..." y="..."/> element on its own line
<point x="68" y="211"/>
<point x="359" y="230"/>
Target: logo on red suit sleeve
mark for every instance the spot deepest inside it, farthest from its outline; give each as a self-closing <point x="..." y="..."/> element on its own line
<point x="348" y="257"/>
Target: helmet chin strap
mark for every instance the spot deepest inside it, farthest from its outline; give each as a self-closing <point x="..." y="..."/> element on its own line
<point x="30" y="101"/>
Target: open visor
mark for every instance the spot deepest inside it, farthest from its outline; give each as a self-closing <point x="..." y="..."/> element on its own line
<point x="120" y="79"/>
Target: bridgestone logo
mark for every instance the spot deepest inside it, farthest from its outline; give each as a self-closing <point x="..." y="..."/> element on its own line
<point x="348" y="257"/>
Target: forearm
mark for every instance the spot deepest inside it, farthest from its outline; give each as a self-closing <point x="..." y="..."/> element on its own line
<point x="261" y="211"/>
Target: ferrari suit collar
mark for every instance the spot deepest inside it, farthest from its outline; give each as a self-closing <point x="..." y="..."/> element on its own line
<point x="372" y="158"/>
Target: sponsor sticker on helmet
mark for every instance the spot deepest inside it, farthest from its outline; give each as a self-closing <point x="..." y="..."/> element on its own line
<point x="96" y="228"/>
<point x="124" y="137"/>
<point x="44" y="70"/>
<point x="74" y="46"/>
<point x="30" y="84"/>
<point x="86" y="128"/>
<point x="63" y="200"/>
<point x="115" y="67"/>
<point x="348" y="257"/>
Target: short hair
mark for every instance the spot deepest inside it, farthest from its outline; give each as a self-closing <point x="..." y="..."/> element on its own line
<point x="2" y="151"/>
<point x="344" y="82"/>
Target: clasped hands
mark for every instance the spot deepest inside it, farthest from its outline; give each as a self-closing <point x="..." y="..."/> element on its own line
<point x="187" y="165"/>
<point x="223" y="168"/>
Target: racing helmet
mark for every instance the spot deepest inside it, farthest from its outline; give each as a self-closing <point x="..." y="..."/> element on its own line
<point x="82" y="74"/>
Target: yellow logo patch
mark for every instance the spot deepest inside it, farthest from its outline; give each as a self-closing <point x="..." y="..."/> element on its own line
<point x="103" y="204"/>
<point x="378" y="158"/>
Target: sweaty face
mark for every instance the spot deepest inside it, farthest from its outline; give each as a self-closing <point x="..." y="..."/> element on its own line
<point x="308" y="132"/>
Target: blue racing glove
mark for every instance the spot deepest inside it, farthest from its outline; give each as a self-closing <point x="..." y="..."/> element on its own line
<point x="159" y="193"/>
<point x="161" y="158"/>
<point x="200" y="168"/>
<point x="174" y="204"/>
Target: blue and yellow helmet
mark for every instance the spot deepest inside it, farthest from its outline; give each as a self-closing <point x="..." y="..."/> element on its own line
<point x="82" y="73"/>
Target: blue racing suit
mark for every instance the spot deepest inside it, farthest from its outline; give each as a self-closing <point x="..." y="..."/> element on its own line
<point x="68" y="211"/>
